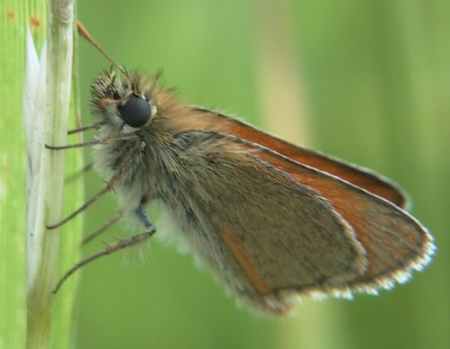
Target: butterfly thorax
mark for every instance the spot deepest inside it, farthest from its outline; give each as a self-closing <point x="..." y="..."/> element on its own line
<point x="149" y="161"/>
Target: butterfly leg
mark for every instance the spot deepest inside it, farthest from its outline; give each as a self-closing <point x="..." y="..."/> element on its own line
<point x="143" y="218"/>
<point x="90" y="165"/>
<point x="75" y="145"/>
<point x="88" y="143"/>
<point x="103" y="228"/>
<point x="150" y="229"/>
<point x="85" y="128"/>
<point x="88" y="203"/>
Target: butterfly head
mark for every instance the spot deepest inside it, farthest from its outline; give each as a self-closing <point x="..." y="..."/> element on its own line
<point x="123" y="98"/>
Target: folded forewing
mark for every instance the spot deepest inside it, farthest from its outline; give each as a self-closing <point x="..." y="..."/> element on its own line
<point x="264" y="231"/>
<point x="213" y="121"/>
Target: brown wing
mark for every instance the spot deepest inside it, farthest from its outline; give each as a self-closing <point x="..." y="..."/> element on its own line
<point x="213" y="121"/>
<point x="395" y="243"/>
<point x="278" y="226"/>
<point x="261" y="231"/>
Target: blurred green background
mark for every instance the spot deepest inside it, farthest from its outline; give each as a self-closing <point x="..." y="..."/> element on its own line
<point x="366" y="81"/>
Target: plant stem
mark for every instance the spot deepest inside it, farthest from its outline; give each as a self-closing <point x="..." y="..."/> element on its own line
<point x="57" y="100"/>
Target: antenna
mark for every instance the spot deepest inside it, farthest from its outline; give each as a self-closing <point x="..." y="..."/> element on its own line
<point x="85" y="34"/>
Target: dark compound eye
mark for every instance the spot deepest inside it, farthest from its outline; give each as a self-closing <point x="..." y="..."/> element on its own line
<point x="136" y="111"/>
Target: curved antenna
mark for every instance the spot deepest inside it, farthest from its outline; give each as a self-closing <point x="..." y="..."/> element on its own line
<point x="85" y="34"/>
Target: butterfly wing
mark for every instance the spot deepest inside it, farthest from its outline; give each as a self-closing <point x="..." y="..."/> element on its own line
<point x="263" y="233"/>
<point x="205" y="119"/>
<point x="272" y="226"/>
<point x="394" y="242"/>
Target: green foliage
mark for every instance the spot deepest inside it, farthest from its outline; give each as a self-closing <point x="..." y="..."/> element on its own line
<point x="30" y="317"/>
<point x="12" y="179"/>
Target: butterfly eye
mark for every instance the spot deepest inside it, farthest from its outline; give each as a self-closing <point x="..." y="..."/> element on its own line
<point x="135" y="111"/>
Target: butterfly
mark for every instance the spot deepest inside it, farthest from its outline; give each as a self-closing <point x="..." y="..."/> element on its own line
<point x="271" y="219"/>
